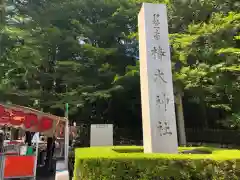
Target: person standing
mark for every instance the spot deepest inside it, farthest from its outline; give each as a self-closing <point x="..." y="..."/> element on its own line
<point x="1" y="141"/>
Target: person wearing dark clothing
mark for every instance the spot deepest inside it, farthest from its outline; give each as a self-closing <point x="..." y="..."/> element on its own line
<point x="1" y="141"/>
<point x="50" y="152"/>
<point x="28" y="139"/>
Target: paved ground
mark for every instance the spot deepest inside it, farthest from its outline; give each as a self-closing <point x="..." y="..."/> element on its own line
<point x="44" y="178"/>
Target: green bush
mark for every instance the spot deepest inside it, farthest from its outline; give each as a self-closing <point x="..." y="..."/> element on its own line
<point x="125" y="163"/>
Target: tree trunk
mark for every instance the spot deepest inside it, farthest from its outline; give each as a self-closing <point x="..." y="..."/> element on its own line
<point x="180" y="120"/>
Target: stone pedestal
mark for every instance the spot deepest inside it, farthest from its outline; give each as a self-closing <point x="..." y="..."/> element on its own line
<point x="101" y="135"/>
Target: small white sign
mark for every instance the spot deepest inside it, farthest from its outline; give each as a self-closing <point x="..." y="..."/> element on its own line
<point x="101" y="135"/>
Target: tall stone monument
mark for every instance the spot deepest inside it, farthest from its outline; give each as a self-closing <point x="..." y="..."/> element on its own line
<point x="158" y="112"/>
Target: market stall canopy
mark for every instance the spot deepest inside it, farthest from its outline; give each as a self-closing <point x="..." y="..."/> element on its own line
<point x="30" y="119"/>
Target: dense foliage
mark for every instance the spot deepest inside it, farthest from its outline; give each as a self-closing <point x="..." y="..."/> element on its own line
<point x="85" y="52"/>
<point x="129" y="163"/>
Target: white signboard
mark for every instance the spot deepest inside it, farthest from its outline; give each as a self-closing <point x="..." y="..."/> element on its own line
<point x="101" y="135"/>
<point x="158" y="112"/>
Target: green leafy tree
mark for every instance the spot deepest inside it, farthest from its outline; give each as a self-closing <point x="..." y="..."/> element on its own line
<point x="85" y="52"/>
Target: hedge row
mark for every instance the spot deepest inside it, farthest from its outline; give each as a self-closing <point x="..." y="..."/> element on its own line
<point x="124" y="163"/>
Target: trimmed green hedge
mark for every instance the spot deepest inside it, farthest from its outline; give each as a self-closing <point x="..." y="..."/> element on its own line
<point x="129" y="162"/>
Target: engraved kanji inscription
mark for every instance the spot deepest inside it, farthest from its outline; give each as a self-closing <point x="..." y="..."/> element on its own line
<point x="156" y="21"/>
<point x="164" y="100"/>
<point x="156" y="26"/>
<point x="164" y="128"/>
<point x="159" y="75"/>
<point x="158" y="53"/>
<point x="156" y="33"/>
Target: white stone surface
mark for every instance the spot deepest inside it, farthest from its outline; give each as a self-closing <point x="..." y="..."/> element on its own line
<point x="62" y="175"/>
<point x="101" y="135"/>
<point x="60" y="165"/>
<point x="158" y="113"/>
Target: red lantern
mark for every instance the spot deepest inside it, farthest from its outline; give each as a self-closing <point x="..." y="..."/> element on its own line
<point x="17" y="118"/>
<point x="45" y="124"/>
<point x="30" y="120"/>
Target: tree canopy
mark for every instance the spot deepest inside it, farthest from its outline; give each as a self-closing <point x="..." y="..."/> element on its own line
<point x="85" y="52"/>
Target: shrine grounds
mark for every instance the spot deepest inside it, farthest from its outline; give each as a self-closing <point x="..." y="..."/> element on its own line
<point x="129" y="162"/>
